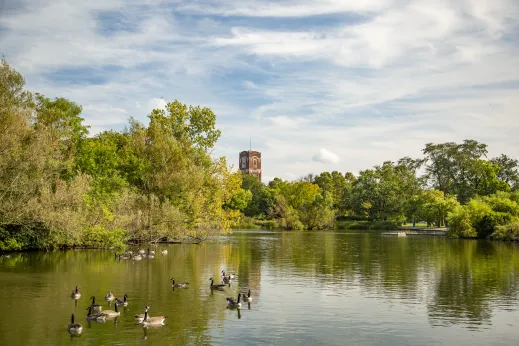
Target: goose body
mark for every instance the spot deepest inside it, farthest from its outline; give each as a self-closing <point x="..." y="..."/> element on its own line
<point x="217" y="286"/>
<point x="141" y="252"/>
<point x="140" y="317"/>
<point x="178" y="285"/>
<point x="111" y="313"/>
<point x="122" y="302"/>
<point x="137" y="257"/>
<point x="74" y="328"/>
<point x="153" y="321"/>
<point x="231" y="303"/>
<point x="109" y="296"/>
<point x="228" y="276"/>
<point x="164" y="252"/>
<point x="151" y="252"/>
<point x="95" y="317"/>
<point x="95" y="306"/>
<point x="75" y="293"/>
<point x="249" y="298"/>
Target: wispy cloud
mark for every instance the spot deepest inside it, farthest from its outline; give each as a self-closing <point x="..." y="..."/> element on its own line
<point x="367" y="80"/>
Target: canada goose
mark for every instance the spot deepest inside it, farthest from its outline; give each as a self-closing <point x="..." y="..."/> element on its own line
<point x="95" y="306"/>
<point x="150" y="255"/>
<point x="142" y="252"/>
<point x="137" y="257"/>
<point x="151" y="252"/>
<point x="164" y="252"/>
<point x="230" y="276"/>
<point x="217" y="286"/>
<point x="122" y="302"/>
<point x="111" y="313"/>
<point x="75" y="293"/>
<point x="139" y="318"/>
<point x="74" y="328"/>
<point x="98" y="316"/>
<point x="249" y="298"/>
<point x="109" y="297"/>
<point x="179" y="285"/>
<point x="231" y="303"/>
<point x="152" y="321"/>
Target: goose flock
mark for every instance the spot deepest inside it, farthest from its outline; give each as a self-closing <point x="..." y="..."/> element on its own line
<point x="95" y="312"/>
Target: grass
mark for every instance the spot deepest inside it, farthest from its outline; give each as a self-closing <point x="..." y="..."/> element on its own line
<point x="418" y="224"/>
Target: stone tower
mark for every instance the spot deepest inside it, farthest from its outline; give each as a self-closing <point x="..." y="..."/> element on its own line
<point x="250" y="163"/>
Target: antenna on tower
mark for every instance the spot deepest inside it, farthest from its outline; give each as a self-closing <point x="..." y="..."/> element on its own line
<point x="250" y="144"/>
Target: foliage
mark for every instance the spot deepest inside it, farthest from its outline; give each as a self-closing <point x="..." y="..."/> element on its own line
<point x="60" y="188"/>
<point x="509" y="231"/>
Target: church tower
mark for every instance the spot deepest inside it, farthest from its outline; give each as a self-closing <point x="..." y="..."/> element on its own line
<point x="250" y="163"/>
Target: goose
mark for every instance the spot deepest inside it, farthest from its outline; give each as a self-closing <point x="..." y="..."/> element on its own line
<point x="249" y="298"/>
<point x="152" y="252"/>
<point x="164" y="252"/>
<point x="230" y="276"/>
<point x="217" y="286"/>
<point x="231" y="303"/>
<point x="140" y="318"/>
<point x="95" y="306"/>
<point x="74" y="328"/>
<point x="75" y="293"/>
<point x="153" y="321"/>
<point x="137" y="257"/>
<point x="141" y="252"/>
<point x="122" y="302"/>
<point x="179" y="285"/>
<point x="109" y="297"/>
<point x="111" y="313"/>
<point x="98" y="316"/>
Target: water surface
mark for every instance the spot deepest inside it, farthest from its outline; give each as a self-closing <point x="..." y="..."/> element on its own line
<point x="312" y="288"/>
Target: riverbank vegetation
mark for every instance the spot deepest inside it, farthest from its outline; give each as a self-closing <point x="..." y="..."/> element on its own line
<point x="453" y="184"/>
<point x="60" y="187"/>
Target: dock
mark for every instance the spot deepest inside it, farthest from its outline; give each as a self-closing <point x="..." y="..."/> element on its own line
<point x="418" y="231"/>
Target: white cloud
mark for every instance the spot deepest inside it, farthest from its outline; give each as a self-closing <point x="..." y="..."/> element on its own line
<point x="156" y="103"/>
<point x="326" y="156"/>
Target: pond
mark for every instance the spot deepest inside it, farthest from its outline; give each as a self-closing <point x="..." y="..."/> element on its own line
<point x="311" y="288"/>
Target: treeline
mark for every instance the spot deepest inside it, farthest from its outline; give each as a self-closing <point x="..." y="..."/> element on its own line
<point x="61" y="188"/>
<point x="453" y="184"/>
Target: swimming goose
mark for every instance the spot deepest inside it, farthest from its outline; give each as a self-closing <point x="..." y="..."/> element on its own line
<point x="231" y="303"/>
<point x="179" y="285"/>
<point x="74" y="328"/>
<point x="217" y="286"/>
<point x="153" y="321"/>
<point x="249" y="298"/>
<point x="142" y="252"/>
<point x="137" y="257"/>
<point x="122" y="302"/>
<point x="111" y="313"/>
<point x="95" y="306"/>
<point x="94" y="317"/>
<point x="230" y="276"/>
<point x="139" y="318"/>
<point x="164" y="252"/>
<point x="152" y="252"/>
<point x="109" y="297"/>
<point x="75" y="293"/>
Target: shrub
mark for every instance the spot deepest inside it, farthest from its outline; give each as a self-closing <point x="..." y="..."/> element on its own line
<point x="100" y="237"/>
<point x="460" y="223"/>
<point x="507" y="232"/>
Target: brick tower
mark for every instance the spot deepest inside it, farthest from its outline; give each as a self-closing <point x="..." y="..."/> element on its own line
<point x="250" y="163"/>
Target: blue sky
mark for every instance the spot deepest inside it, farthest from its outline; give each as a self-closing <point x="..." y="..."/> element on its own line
<point x="319" y="85"/>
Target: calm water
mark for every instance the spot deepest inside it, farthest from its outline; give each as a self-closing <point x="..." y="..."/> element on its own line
<point x="308" y="288"/>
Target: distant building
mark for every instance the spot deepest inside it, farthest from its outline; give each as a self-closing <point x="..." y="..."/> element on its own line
<point x="250" y="163"/>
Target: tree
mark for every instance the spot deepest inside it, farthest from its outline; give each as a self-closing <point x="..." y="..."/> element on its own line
<point x="508" y="170"/>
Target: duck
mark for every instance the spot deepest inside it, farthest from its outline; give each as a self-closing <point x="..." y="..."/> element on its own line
<point x="164" y="252"/>
<point x="140" y="317"/>
<point x="217" y="286"/>
<point x="109" y="297"/>
<point x="231" y="303"/>
<point x="111" y="313"/>
<point x="122" y="302"/>
<point x="74" y="328"/>
<point x="179" y="285"/>
<point x="98" y="316"/>
<point x="152" y="321"/>
<point x="249" y="298"/>
<point x="95" y="306"/>
<point x="75" y="293"/>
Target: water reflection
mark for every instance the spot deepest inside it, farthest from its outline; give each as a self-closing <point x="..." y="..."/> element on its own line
<point x="320" y="286"/>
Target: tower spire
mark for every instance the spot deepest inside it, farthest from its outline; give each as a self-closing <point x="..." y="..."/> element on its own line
<point x="250" y="144"/>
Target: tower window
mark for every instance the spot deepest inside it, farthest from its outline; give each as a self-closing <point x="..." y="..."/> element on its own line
<point x="255" y="163"/>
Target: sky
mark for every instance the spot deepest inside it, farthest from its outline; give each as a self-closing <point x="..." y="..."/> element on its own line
<point x="315" y="85"/>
